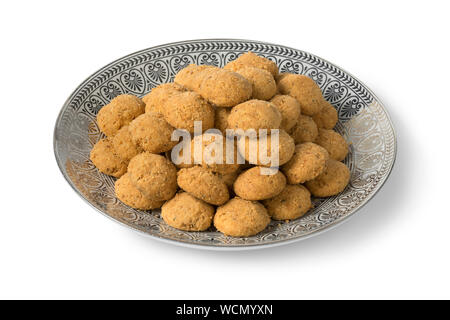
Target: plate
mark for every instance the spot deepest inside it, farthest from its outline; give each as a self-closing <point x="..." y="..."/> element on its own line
<point x="363" y="121"/>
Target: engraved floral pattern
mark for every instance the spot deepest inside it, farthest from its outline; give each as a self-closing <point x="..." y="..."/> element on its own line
<point x="157" y="71"/>
<point x="350" y="107"/>
<point x="211" y="59"/>
<point x="179" y="62"/>
<point x="291" y="66"/>
<point x="111" y="90"/>
<point x="334" y="92"/>
<point x="133" y="81"/>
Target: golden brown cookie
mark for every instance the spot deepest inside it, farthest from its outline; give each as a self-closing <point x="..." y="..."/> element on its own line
<point x="293" y="202"/>
<point x="205" y="154"/>
<point x="290" y="110"/>
<point x="204" y="185"/>
<point x="225" y="88"/>
<point x="118" y="113"/>
<point x="183" y="109"/>
<point x="264" y="86"/>
<point x="305" y="131"/>
<point x="128" y="194"/>
<point x="241" y="218"/>
<point x="286" y="147"/>
<point x="192" y="76"/>
<point x="105" y="158"/>
<point x="252" y="60"/>
<point x="188" y="213"/>
<point x="156" y="100"/>
<point x="304" y="89"/>
<point x="308" y="162"/>
<point x="328" y="117"/>
<point x="153" y="175"/>
<point x="334" y="143"/>
<point x="152" y="133"/>
<point x="332" y="181"/>
<point x="254" y="114"/>
<point x="124" y="145"/>
<point x="255" y="184"/>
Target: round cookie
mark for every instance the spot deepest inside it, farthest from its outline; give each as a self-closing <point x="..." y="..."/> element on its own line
<point x="290" y="110"/>
<point x="124" y="145"/>
<point x="308" y="162"/>
<point x="305" y="131"/>
<point x="293" y="202"/>
<point x="304" y="89"/>
<point x="105" y="158"/>
<point x="221" y="119"/>
<point x="188" y="213"/>
<point x="264" y="86"/>
<point x="334" y="143"/>
<point x="225" y="88"/>
<point x="153" y="175"/>
<point x="152" y="133"/>
<point x="128" y="194"/>
<point x="328" y="117"/>
<point x="183" y="109"/>
<point x="204" y="185"/>
<point x="192" y="76"/>
<point x="332" y="181"/>
<point x="241" y="218"/>
<point x="252" y="60"/>
<point x="254" y="114"/>
<point x="156" y="100"/>
<point x="286" y="147"/>
<point x="118" y="113"/>
<point x="253" y="184"/>
<point x="205" y="155"/>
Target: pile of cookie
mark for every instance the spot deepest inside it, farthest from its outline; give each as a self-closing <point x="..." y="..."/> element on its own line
<point x="237" y="197"/>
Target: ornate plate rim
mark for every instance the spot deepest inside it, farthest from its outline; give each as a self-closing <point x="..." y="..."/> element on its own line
<point x="211" y="246"/>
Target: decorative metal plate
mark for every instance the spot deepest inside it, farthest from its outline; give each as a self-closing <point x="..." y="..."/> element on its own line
<point x="362" y="120"/>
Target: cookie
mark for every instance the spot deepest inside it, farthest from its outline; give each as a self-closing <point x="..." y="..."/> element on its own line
<point x="204" y="185"/>
<point x="293" y="202"/>
<point x="332" y="181"/>
<point x="153" y="175"/>
<point x="253" y="184"/>
<point x="188" y="213"/>
<point x="307" y="163"/>
<point x="241" y="218"/>
<point x="118" y="113"/>
<point x="131" y="196"/>
<point x="106" y="159"/>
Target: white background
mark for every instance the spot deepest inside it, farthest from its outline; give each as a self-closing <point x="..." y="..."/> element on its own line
<point x="53" y="245"/>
